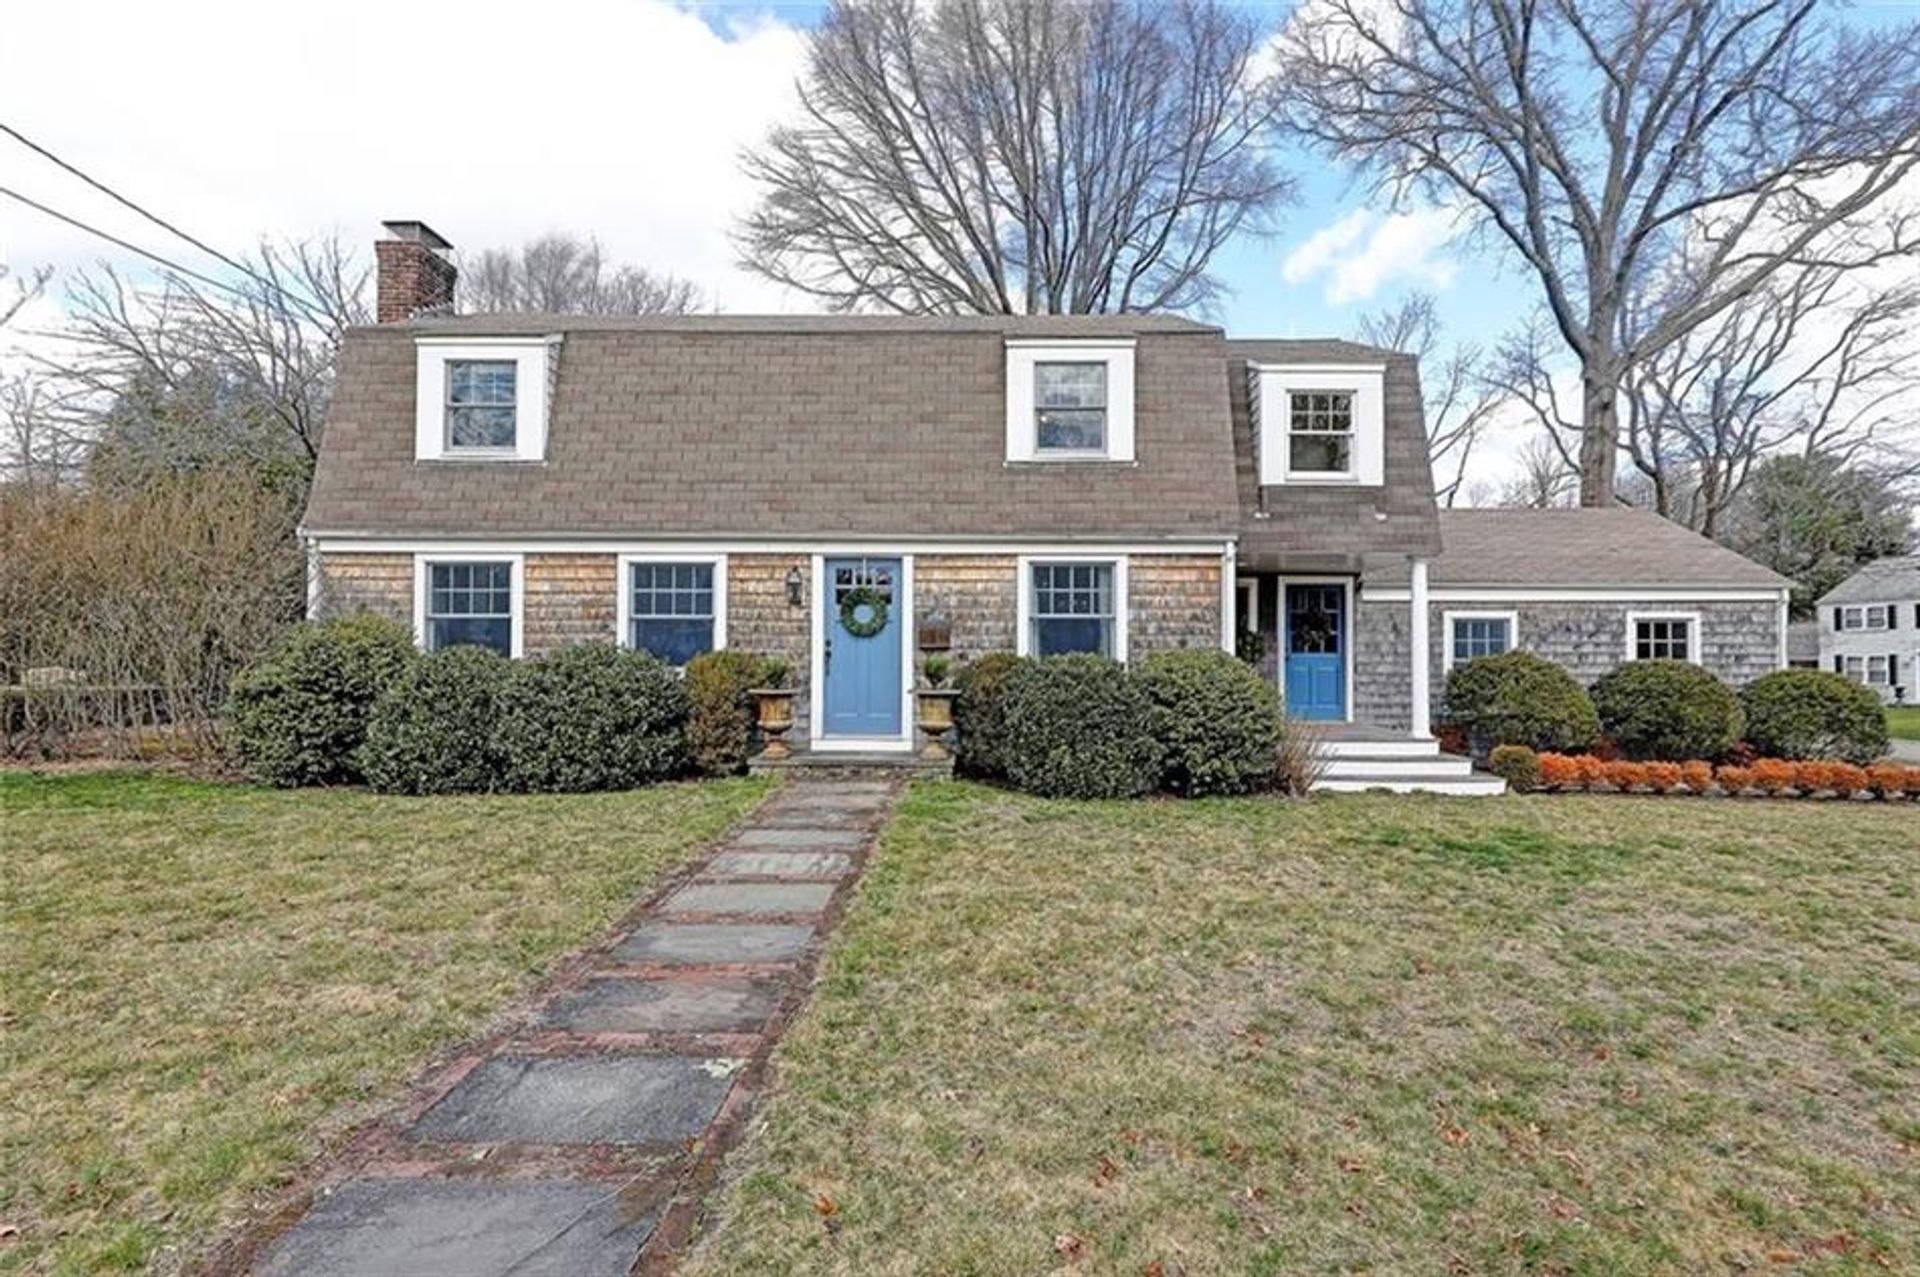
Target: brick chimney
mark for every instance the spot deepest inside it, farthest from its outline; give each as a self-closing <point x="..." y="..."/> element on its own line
<point x="412" y="273"/>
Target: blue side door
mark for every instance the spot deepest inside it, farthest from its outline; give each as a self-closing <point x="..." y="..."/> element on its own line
<point x="1316" y="651"/>
<point x="863" y="674"/>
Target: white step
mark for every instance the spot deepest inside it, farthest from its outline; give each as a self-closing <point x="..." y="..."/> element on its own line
<point x="1443" y="768"/>
<point x="1407" y="748"/>
<point x="1474" y="785"/>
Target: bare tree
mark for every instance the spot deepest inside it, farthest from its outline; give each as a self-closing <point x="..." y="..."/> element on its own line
<point x="15" y="299"/>
<point x="1599" y="139"/>
<point x="1460" y="401"/>
<point x="562" y="274"/>
<point x="1009" y="156"/>
<point x="1545" y="481"/>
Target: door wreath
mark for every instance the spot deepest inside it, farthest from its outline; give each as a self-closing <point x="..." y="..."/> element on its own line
<point x="873" y="601"/>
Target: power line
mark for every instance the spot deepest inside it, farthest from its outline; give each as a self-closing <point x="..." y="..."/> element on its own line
<point x="151" y="256"/>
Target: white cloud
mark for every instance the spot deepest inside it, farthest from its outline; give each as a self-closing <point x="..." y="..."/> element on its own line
<point x="490" y="120"/>
<point x="1364" y="251"/>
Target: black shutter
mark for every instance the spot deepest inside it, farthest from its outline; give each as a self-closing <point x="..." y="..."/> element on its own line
<point x="1893" y="616"/>
<point x="1893" y="669"/>
<point x="1839" y="665"/>
<point x="1836" y="620"/>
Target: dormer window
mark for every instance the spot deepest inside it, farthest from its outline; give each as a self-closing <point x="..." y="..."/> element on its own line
<point x="481" y="404"/>
<point x="1070" y="401"/>
<point x="483" y="399"/>
<point x="1319" y="423"/>
<point x="1320" y="432"/>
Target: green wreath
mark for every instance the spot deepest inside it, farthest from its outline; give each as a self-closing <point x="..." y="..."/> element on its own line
<point x="850" y="604"/>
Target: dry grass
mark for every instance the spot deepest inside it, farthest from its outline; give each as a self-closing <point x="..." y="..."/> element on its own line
<point x="1903" y="721"/>
<point x="1390" y="1035"/>
<point x="199" y="983"/>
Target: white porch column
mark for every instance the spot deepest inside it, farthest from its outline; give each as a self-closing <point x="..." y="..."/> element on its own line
<point x="1417" y="641"/>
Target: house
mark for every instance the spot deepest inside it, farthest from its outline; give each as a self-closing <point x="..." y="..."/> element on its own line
<point x="1870" y="627"/>
<point x="850" y="491"/>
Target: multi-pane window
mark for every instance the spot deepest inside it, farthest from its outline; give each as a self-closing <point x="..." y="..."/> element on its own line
<point x="1477" y="636"/>
<point x="1320" y="431"/>
<point x="672" y="610"/>
<point x="1873" y="616"/>
<point x="1070" y="407"/>
<point x="1073" y="608"/>
<point x="1875" y="671"/>
<point x="470" y="603"/>
<point x="1663" y="638"/>
<point x="481" y="403"/>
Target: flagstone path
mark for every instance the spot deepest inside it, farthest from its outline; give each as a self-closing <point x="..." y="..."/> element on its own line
<point x="579" y="1140"/>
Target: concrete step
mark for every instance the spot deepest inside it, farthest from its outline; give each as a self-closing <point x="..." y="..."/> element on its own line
<point x="1435" y="766"/>
<point x="1473" y="785"/>
<point x="1406" y="747"/>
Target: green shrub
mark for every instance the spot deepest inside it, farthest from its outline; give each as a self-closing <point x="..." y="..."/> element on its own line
<point x="1517" y="698"/>
<point x="1517" y="765"/>
<point x="591" y="717"/>
<point x="1814" y="714"/>
<point x="431" y="731"/>
<point x="979" y="715"/>
<point x="720" y="710"/>
<point x="1668" y="710"/>
<point x="1217" y="721"/>
<point x="298" y="715"/>
<point x="1079" y="727"/>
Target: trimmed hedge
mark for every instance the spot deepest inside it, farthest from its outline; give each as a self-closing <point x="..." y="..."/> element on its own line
<point x="1814" y="714"/>
<point x="979" y="715"/>
<point x="1216" y="719"/>
<point x="1517" y="765"/>
<point x="1518" y="698"/>
<point x="1668" y="710"/>
<point x="591" y="717"/>
<point x="298" y="715"/>
<point x="431" y="731"/>
<point x="720" y="711"/>
<point x="1079" y="727"/>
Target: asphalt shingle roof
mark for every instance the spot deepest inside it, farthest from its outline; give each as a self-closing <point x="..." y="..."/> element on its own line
<point x="1894" y="579"/>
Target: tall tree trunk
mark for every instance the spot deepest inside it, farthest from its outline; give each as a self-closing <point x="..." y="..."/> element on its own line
<point x="1599" y="432"/>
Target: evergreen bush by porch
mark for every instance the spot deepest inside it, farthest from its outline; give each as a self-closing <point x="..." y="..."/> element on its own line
<point x="979" y="715"/>
<point x="1217" y="720"/>
<point x="1079" y="727"/>
<point x="432" y="730"/>
<point x="1814" y="714"/>
<point x="1517" y="698"/>
<point x="1668" y="710"/>
<point x="298" y="715"/>
<point x="720" y="710"/>
<point x="591" y="717"/>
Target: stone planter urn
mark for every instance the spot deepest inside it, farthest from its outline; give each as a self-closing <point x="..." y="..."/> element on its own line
<point x="773" y="715"/>
<point x="935" y="718"/>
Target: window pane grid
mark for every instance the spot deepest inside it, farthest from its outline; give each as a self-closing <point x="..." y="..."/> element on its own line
<point x="1476" y="637"/>
<point x="481" y="400"/>
<point x="1073" y="608"/>
<point x="1663" y="640"/>
<point x="671" y="610"/>
<point x="1320" y="429"/>
<point x="470" y="603"/>
<point x="1070" y="406"/>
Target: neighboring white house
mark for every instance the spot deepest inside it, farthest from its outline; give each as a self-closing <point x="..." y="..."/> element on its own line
<point x="1870" y="627"/>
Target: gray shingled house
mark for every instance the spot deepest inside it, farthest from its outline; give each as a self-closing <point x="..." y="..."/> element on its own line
<point x="1117" y="484"/>
<point x="1870" y="627"/>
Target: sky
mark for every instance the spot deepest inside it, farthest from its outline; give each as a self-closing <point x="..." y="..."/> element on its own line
<point x="495" y="121"/>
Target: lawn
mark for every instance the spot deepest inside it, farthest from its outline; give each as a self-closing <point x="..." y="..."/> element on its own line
<point x="1391" y="1035"/>
<point x="1903" y="721"/>
<point x="201" y="984"/>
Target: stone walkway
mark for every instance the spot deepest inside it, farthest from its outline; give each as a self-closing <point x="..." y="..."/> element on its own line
<point x="579" y="1140"/>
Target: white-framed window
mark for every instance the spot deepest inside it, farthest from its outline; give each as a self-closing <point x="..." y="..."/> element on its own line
<point x="1070" y="400"/>
<point x="1663" y="636"/>
<point x="482" y="399"/>
<point x="1868" y="616"/>
<point x="674" y="606"/>
<point x="1471" y="635"/>
<point x="1874" y="671"/>
<point x="469" y="600"/>
<point x="1319" y="423"/>
<point x="1073" y="604"/>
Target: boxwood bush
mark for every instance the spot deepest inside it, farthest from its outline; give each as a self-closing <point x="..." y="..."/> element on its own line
<point x="1217" y="721"/>
<point x="1814" y="714"/>
<point x="1518" y="698"/>
<point x="591" y="717"/>
<point x="1079" y="727"/>
<point x="1668" y="710"/>
<point x="298" y="715"/>
<point x="431" y="731"/>
<point x="979" y="715"/>
<point x="720" y="710"/>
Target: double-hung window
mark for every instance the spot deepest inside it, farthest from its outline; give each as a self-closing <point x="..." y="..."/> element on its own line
<point x="1874" y="671"/>
<point x="672" y="609"/>
<point x="470" y="603"/>
<point x="1073" y="609"/>
<point x="482" y="405"/>
<point x="1473" y="635"/>
<point x="1320" y="432"/>
<point x="1872" y="616"/>
<point x="1070" y="407"/>
<point x="1663" y="638"/>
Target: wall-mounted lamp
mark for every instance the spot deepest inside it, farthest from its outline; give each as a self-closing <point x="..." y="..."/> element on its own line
<point x="794" y="587"/>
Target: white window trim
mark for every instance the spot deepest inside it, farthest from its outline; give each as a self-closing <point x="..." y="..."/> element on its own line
<point x="1886" y="669"/>
<point x="1447" y="619"/>
<point x="531" y="357"/>
<point x="1693" y="632"/>
<point x="1122" y="598"/>
<point x="623" y="587"/>
<point x="1022" y="430"/>
<point x="422" y="565"/>
<point x="1864" y="613"/>
<point x="1274" y="386"/>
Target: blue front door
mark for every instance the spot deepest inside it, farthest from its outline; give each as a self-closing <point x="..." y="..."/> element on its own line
<point x="1315" y="618"/>
<point x="863" y="675"/>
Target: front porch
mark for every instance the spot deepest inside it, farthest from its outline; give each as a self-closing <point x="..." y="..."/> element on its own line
<point x="1356" y="757"/>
